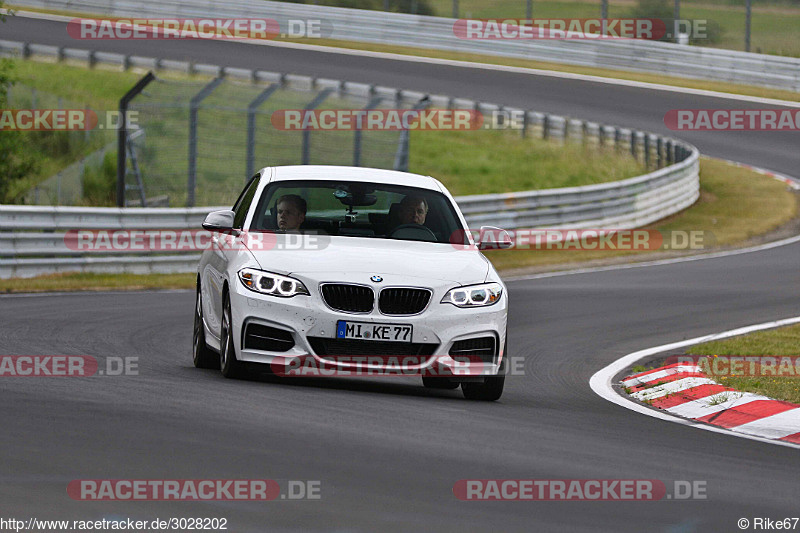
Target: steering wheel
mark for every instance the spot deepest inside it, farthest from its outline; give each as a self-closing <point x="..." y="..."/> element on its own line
<point x="424" y="232"/>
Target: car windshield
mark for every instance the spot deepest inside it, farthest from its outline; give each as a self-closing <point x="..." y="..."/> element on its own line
<point x="358" y="209"/>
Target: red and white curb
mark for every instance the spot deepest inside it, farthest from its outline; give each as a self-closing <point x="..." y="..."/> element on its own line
<point x="793" y="183"/>
<point x="685" y="391"/>
<point x="788" y="423"/>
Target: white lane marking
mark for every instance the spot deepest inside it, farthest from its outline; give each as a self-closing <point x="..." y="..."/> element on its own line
<point x="601" y="381"/>
<point x="714" y="404"/>
<point x="482" y="66"/>
<point x="640" y="380"/>
<point x="659" y="262"/>
<point x="671" y="387"/>
<point x="773" y="427"/>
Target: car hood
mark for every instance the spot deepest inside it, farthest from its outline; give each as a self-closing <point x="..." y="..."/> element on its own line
<point x="354" y="258"/>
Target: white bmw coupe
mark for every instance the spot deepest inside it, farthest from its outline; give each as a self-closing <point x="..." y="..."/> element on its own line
<point x="351" y="271"/>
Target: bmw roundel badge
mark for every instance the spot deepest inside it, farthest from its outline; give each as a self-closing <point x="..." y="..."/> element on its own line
<point x="376" y="279"/>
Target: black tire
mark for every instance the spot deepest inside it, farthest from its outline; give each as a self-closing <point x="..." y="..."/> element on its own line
<point x="492" y="387"/>
<point x="202" y="355"/>
<point x="228" y="364"/>
<point x="432" y="382"/>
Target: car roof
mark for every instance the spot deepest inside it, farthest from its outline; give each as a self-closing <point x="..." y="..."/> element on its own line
<point x="373" y="175"/>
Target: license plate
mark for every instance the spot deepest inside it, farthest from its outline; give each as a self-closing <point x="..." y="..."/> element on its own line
<point x="346" y="329"/>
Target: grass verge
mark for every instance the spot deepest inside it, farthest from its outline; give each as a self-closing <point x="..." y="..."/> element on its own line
<point x="97" y="282"/>
<point x="780" y="341"/>
<point x="483" y="161"/>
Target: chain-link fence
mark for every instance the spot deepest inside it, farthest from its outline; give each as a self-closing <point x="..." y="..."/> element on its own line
<point x="197" y="142"/>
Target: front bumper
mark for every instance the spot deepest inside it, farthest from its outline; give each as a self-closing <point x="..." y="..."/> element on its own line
<point x="438" y="327"/>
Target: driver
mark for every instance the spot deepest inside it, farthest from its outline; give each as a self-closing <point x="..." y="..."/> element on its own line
<point x="291" y="210"/>
<point x="413" y="210"/>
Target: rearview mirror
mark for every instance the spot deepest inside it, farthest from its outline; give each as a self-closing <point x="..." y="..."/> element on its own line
<point x="219" y="221"/>
<point x="492" y="238"/>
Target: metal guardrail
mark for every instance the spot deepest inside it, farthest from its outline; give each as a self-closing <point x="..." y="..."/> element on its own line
<point x="437" y="33"/>
<point x="32" y="238"/>
<point x="36" y="242"/>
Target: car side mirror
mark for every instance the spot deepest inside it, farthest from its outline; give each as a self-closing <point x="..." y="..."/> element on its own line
<point x="219" y="221"/>
<point x="492" y="238"/>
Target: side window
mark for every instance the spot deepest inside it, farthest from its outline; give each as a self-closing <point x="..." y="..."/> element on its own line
<point x="243" y="203"/>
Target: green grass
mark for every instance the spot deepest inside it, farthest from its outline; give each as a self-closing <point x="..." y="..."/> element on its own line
<point x="735" y="204"/>
<point x="780" y="341"/>
<point x="476" y="162"/>
<point x="97" y="282"/>
<point x="100" y="89"/>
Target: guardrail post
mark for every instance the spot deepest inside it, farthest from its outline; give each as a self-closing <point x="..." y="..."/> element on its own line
<point x="524" y="131"/>
<point x="251" y="127"/>
<point x="574" y="130"/>
<point x="306" y="132"/>
<point x="194" y="107"/>
<point x="122" y="136"/>
<point x="592" y="133"/>
<point x="659" y="151"/>
<point x="623" y="139"/>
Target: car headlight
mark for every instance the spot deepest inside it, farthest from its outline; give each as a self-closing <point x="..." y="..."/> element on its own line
<point x="474" y="295"/>
<point x="272" y="284"/>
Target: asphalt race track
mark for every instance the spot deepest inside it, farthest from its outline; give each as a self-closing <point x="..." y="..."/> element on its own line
<point x="388" y="452"/>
